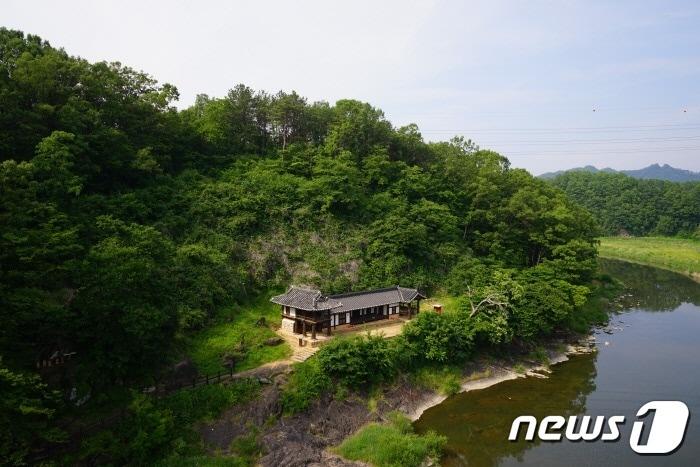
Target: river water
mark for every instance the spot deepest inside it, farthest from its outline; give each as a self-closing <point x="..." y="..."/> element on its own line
<point x="650" y="351"/>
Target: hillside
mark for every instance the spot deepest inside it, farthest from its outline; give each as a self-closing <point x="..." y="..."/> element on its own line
<point x="623" y="205"/>
<point x="130" y="229"/>
<point x="652" y="172"/>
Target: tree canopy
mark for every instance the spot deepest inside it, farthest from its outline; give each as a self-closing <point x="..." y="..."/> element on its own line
<point x="625" y="205"/>
<point x="126" y="223"/>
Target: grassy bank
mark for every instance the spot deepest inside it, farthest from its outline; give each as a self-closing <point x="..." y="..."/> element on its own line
<point x="237" y="332"/>
<point x="392" y="444"/>
<point x="676" y="254"/>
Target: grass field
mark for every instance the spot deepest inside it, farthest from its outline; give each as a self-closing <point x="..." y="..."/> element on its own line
<point x="676" y="254"/>
<point x="234" y="328"/>
<point x="392" y="444"/>
<point x="448" y="302"/>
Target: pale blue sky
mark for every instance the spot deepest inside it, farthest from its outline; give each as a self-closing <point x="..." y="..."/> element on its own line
<point x="520" y="77"/>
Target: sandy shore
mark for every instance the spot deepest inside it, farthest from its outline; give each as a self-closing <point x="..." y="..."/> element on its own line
<point x="499" y="372"/>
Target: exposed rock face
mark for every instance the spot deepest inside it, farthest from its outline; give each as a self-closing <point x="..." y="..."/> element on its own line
<point x="304" y="439"/>
<point x="238" y="420"/>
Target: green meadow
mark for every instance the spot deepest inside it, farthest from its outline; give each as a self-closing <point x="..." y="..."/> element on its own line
<point x="235" y="331"/>
<point x="676" y="254"/>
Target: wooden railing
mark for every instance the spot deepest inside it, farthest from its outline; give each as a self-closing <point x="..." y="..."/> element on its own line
<point x="162" y="389"/>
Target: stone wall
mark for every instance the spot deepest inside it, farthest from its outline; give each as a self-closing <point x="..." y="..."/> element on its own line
<point x="287" y="325"/>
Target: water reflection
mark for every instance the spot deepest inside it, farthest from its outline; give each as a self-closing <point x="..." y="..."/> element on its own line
<point x="652" y="289"/>
<point x="648" y="356"/>
<point x="477" y="423"/>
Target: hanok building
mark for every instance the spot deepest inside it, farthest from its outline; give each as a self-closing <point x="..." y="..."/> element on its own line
<point x="307" y="310"/>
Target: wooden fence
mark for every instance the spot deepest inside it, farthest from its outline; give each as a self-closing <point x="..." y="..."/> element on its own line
<point x="162" y="389"/>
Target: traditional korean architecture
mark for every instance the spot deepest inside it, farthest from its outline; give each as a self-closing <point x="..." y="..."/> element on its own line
<point x="308" y="310"/>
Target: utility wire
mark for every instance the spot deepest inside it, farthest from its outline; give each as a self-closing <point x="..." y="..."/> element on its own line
<point x="602" y="141"/>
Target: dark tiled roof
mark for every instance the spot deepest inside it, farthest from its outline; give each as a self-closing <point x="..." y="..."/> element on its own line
<point x="305" y="299"/>
<point x="378" y="297"/>
<point x="409" y="295"/>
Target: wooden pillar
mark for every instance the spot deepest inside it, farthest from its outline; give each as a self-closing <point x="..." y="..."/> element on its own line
<point x="313" y="331"/>
<point x="303" y="327"/>
<point x="328" y="329"/>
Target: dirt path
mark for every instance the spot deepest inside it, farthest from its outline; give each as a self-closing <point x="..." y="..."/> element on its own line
<point x="389" y="328"/>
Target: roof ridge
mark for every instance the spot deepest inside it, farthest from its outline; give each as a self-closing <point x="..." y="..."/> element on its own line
<point x="360" y="292"/>
<point x="306" y="288"/>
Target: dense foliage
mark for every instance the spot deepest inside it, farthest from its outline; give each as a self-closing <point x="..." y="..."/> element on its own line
<point x="162" y="429"/>
<point x="626" y="205"/>
<point x="26" y="409"/>
<point x="126" y="223"/>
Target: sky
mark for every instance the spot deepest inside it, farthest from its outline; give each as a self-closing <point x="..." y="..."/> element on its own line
<point x="549" y="84"/>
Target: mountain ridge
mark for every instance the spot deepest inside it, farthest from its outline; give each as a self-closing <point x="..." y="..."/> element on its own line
<point x="651" y="172"/>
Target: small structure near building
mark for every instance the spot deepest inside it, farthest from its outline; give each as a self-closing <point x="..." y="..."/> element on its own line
<point x="308" y="310"/>
<point x="437" y="308"/>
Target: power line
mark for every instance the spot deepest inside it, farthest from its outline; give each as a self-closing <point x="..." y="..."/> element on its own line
<point x="570" y="109"/>
<point x="603" y="141"/>
<point x="535" y="152"/>
<point x="664" y="127"/>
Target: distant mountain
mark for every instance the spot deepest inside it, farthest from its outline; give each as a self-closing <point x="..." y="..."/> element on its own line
<point x="654" y="171"/>
<point x="664" y="172"/>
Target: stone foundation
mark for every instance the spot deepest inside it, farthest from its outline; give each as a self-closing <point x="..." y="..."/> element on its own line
<point x="287" y="325"/>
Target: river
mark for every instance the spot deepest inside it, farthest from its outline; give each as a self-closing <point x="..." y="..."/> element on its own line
<point x="649" y="351"/>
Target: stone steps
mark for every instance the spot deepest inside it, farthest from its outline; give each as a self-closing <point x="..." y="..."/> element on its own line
<point x="299" y="354"/>
<point x="302" y="353"/>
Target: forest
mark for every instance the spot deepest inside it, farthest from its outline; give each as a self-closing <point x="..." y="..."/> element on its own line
<point x="623" y="205"/>
<point x="125" y="224"/>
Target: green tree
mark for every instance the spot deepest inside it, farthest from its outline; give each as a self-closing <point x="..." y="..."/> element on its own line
<point x="125" y="312"/>
<point x="27" y="408"/>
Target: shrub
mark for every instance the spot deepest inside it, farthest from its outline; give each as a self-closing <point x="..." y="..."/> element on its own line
<point x="539" y="355"/>
<point x="443" y="379"/>
<point x="26" y="409"/>
<point x="545" y="303"/>
<point x="361" y="361"/>
<point x="246" y="447"/>
<point x="161" y="430"/>
<point x="306" y="383"/>
<point x="207" y="402"/>
<point x="399" y="421"/>
<point x="434" y="337"/>
<point x="399" y="445"/>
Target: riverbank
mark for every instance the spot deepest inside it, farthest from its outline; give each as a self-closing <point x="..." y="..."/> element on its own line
<point x="491" y="372"/>
<point x="645" y="352"/>
<point x="307" y="438"/>
<point x="308" y="434"/>
<point x="674" y="254"/>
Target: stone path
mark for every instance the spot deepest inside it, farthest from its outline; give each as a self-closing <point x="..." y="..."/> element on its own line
<point x="299" y="354"/>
